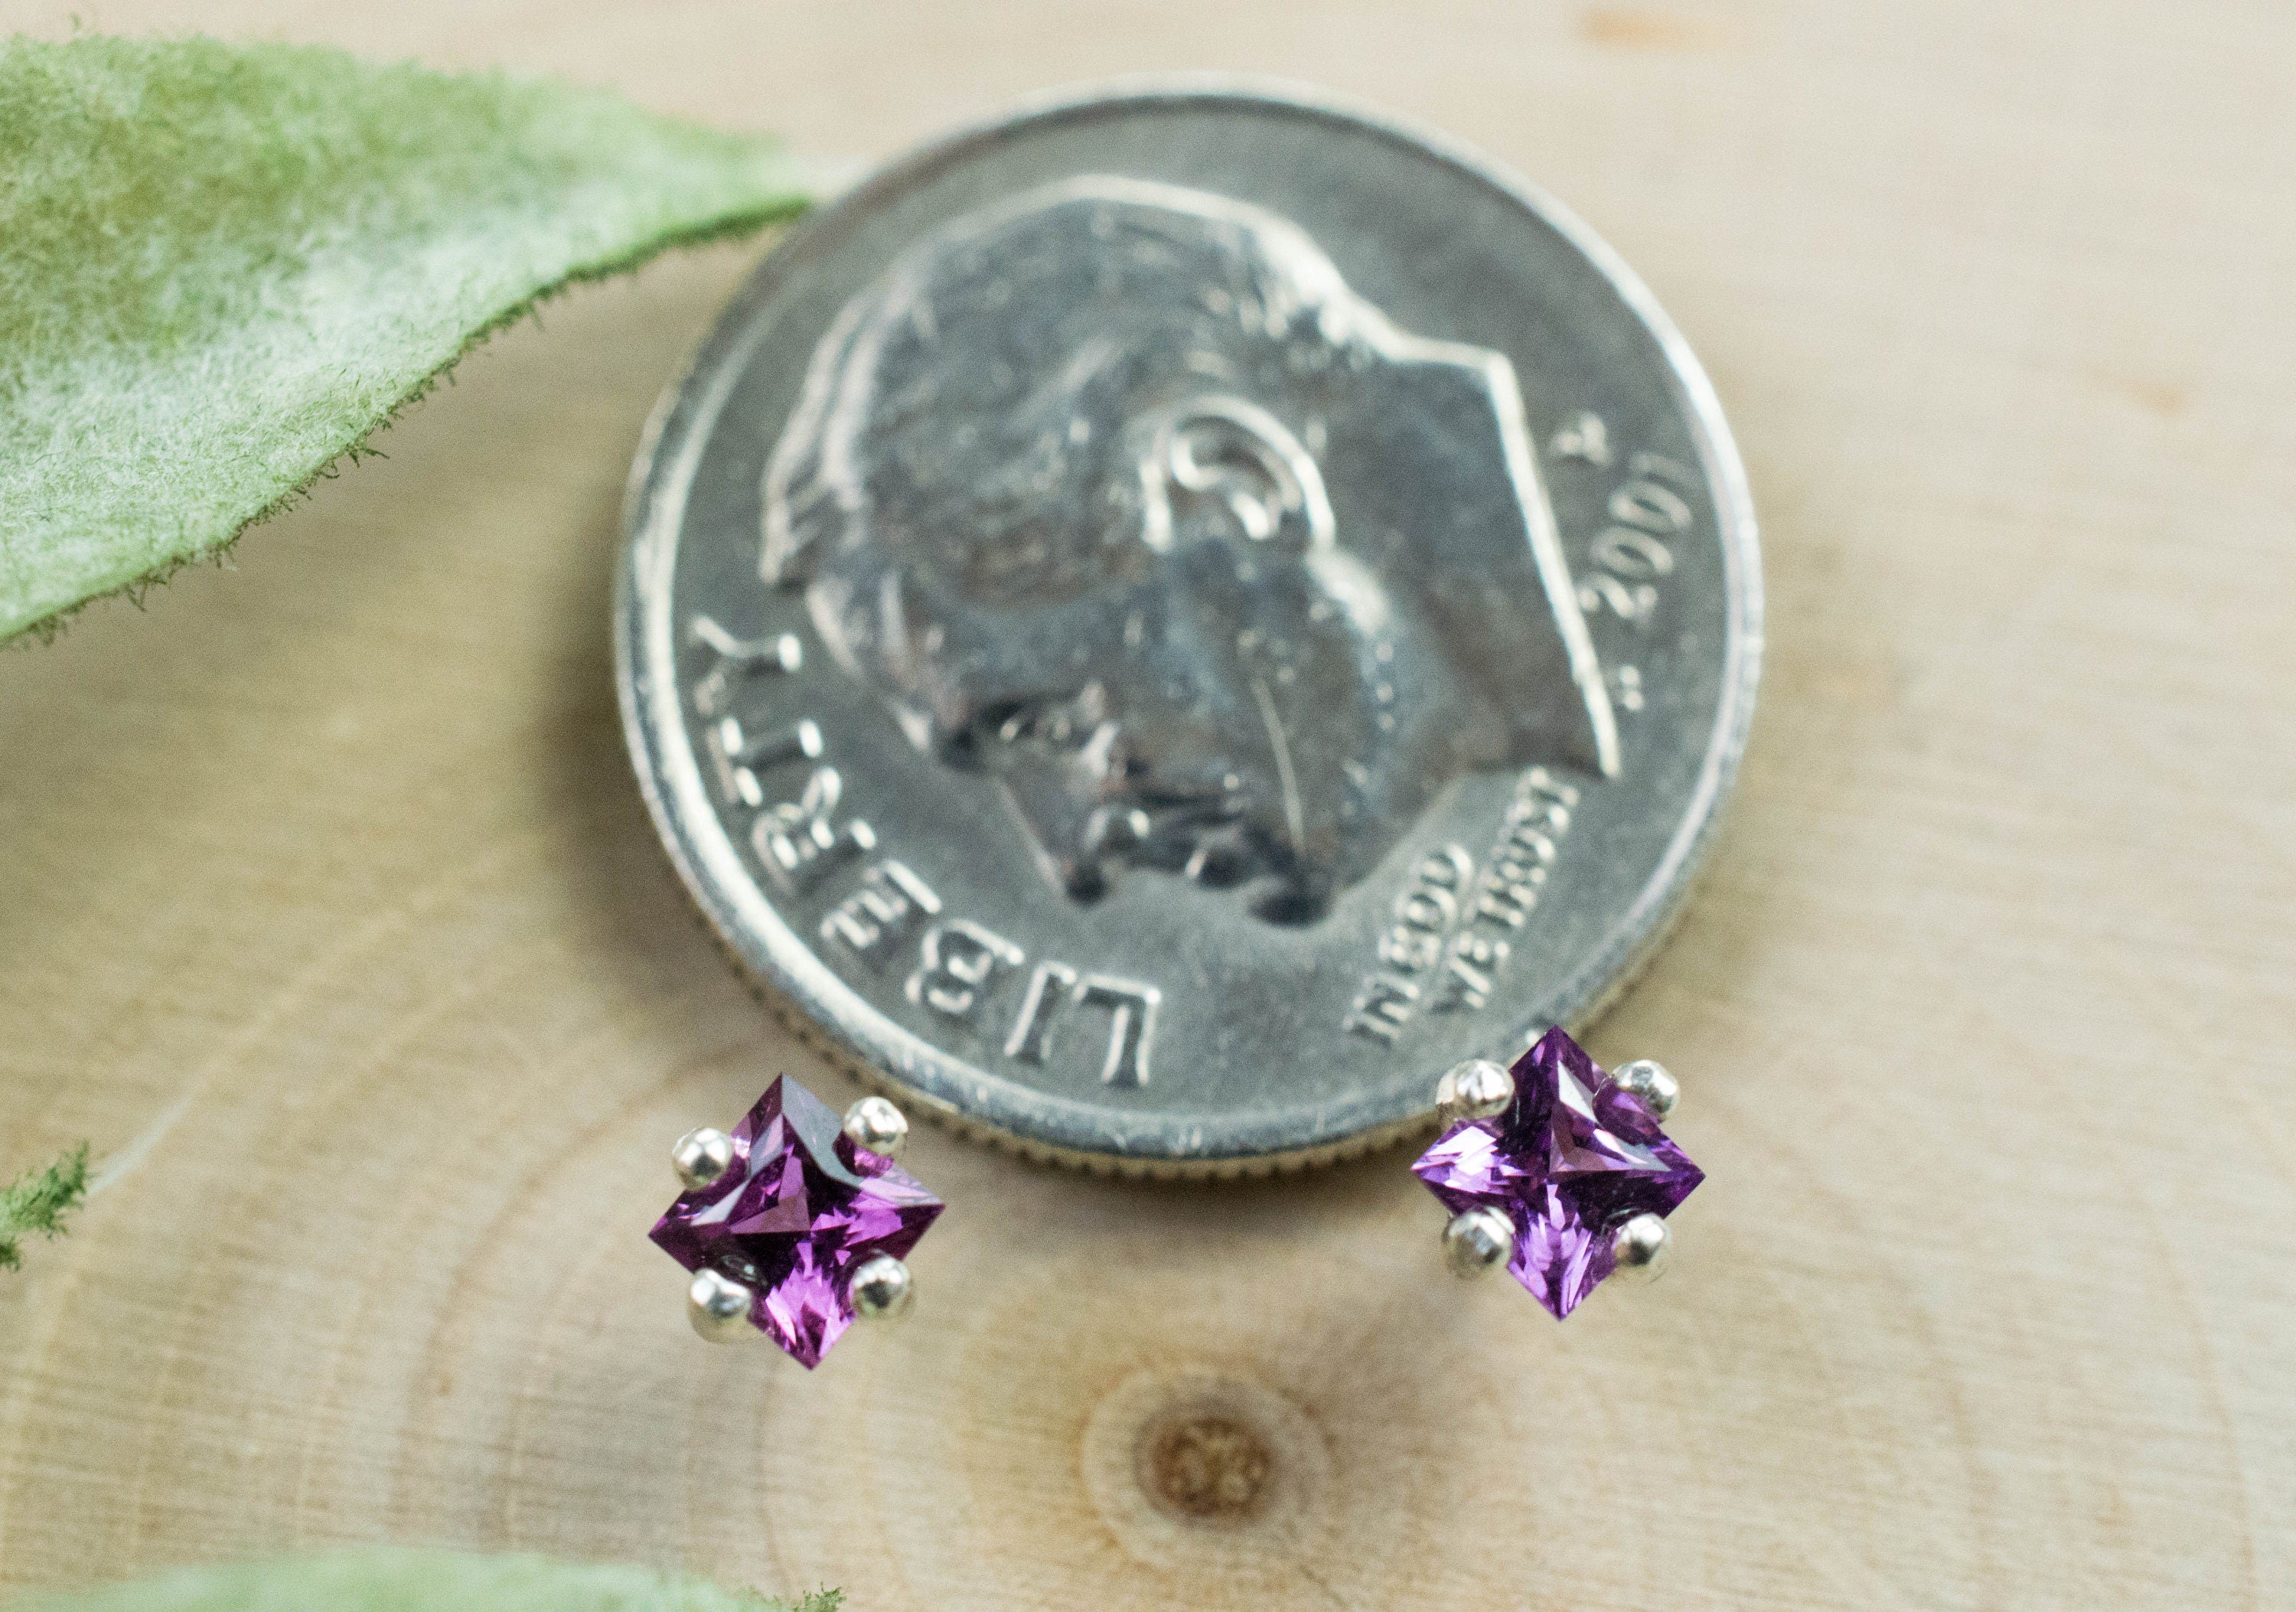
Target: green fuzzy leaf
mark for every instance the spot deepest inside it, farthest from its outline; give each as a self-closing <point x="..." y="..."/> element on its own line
<point x="419" y="1581"/>
<point x="222" y="266"/>
<point x="36" y="1202"/>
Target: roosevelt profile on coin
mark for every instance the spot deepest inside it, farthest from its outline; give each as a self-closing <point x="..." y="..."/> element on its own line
<point x="1117" y="492"/>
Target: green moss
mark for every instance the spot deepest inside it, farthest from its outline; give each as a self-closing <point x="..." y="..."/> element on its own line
<point x="419" y="1581"/>
<point x="222" y="266"/>
<point x="36" y="1202"/>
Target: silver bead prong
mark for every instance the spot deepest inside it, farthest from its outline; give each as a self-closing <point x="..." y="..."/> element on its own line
<point x="719" y="1306"/>
<point x="1640" y="1246"/>
<point x="1649" y="1081"/>
<point x="1475" y="1089"/>
<point x="874" y="1123"/>
<point x="882" y="1289"/>
<point x="702" y="1156"/>
<point x="1478" y="1241"/>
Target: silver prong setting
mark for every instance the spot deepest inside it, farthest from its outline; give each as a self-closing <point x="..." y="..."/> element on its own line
<point x="1475" y="1089"/>
<point x="1640" y="1246"/>
<point x="701" y="1157"/>
<point x="874" y="1122"/>
<point x="1648" y="1080"/>
<point x="719" y="1306"/>
<point x="1477" y="1242"/>
<point x="882" y="1289"/>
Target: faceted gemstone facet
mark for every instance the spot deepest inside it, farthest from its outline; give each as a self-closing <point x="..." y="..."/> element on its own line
<point x="800" y="1208"/>
<point x="1573" y="1158"/>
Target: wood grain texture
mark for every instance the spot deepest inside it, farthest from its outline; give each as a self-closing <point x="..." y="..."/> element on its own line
<point x="330" y="914"/>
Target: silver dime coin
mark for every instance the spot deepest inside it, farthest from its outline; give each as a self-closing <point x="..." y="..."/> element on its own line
<point x="1163" y="624"/>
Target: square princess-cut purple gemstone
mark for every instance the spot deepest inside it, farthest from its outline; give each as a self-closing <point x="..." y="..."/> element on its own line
<point x="798" y="1211"/>
<point x="1573" y="1158"/>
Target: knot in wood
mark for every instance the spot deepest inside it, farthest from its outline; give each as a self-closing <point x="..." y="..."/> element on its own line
<point x="1206" y="1466"/>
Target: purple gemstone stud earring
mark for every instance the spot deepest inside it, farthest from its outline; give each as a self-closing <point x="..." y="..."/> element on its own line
<point x="795" y="1224"/>
<point x="1556" y="1170"/>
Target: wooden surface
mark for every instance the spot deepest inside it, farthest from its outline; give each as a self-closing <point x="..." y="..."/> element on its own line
<point x="331" y="915"/>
